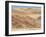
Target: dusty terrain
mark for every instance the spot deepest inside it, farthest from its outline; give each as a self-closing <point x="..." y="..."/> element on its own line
<point x="25" y="20"/>
<point x="22" y="20"/>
